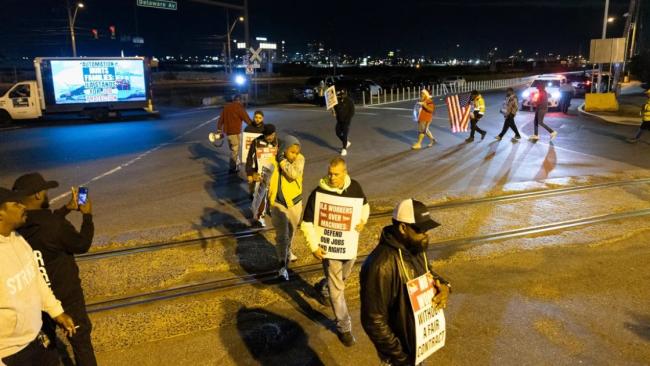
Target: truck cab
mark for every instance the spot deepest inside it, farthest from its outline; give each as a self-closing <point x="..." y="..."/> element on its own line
<point x="21" y="102"/>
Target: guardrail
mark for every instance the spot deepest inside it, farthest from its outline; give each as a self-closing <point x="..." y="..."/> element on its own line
<point x="405" y="94"/>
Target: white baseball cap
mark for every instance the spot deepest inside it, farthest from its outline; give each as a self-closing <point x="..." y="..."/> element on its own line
<point x="415" y="213"/>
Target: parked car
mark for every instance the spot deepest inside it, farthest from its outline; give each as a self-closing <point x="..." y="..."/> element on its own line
<point x="311" y="91"/>
<point x="552" y="83"/>
<point x="581" y="82"/>
<point x="455" y="80"/>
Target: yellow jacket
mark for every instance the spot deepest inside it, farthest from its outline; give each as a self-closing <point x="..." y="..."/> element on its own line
<point x="479" y="104"/>
<point x="285" y="186"/>
<point x="645" y="112"/>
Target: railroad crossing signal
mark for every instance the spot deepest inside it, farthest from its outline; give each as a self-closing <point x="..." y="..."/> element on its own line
<point x="255" y="55"/>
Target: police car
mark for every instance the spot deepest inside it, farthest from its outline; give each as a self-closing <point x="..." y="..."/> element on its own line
<point x="552" y="83"/>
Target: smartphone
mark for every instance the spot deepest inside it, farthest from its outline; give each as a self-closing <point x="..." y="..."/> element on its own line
<point x="82" y="195"/>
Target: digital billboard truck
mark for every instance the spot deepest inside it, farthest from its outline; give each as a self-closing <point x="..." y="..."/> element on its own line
<point x="99" y="88"/>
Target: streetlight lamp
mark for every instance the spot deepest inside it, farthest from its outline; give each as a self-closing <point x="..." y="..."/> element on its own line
<point x="71" y="19"/>
<point x="230" y="29"/>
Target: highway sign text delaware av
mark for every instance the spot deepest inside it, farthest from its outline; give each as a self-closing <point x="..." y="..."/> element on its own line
<point x="159" y="4"/>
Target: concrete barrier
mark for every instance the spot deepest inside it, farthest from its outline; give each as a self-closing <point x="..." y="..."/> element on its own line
<point x="601" y="102"/>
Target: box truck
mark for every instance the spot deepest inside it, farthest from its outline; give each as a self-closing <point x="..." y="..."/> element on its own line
<point x="99" y="88"/>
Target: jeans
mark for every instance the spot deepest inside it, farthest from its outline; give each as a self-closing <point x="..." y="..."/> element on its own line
<point x="336" y="272"/>
<point x="342" y="129"/>
<point x="509" y="122"/>
<point x="474" y="123"/>
<point x="285" y="221"/>
<point x="539" y="121"/>
<point x="233" y="143"/>
<point x="34" y="355"/>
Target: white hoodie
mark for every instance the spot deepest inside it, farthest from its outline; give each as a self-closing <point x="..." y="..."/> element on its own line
<point x="23" y="295"/>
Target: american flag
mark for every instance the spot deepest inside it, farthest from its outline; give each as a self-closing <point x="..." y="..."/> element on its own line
<point x="459" y="110"/>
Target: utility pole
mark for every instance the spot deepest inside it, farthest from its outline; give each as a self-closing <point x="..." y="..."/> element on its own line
<point x="628" y="28"/>
<point x="71" y="19"/>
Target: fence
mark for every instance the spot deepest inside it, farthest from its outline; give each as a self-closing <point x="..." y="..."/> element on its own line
<point x="396" y="95"/>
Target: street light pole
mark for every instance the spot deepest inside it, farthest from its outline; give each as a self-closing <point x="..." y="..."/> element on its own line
<point x="71" y="19"/>
<point x="604" y="36"/>
<point x="229" y="29"/>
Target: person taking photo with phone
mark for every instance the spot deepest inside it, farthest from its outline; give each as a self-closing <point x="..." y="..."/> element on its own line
<point x="55" y="241"/>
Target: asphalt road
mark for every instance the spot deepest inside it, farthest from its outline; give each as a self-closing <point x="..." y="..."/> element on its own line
<point x="155" y="179"/>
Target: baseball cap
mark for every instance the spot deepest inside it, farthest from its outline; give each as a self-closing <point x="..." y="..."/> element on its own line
<point x="268" y="129"/>
<point x="10" y="196"/>
<point x="415" y="213"/>
<point x="32" y="183"/>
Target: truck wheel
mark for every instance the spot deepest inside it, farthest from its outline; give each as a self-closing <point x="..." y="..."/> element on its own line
<point x="99" y="115"/>
<point x="5" y="118"/>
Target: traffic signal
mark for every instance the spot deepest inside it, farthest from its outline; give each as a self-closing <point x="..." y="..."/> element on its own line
<point x="112" y="30"/>
<point x="95" y="33"/>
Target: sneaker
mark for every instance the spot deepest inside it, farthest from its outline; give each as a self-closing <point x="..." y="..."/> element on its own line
<point x="261" y="222"/>
<point x="553" y="135"/>
<point x="283" y="273"/>
<point x="292" y="257"/>
<point x="517" y="138"/>
<point x="483" y="135"/>
<point x="347" y="338"/>
<point x="432" y="142"/>
<point x="344" y="152"/>
<point x="348" y="144"/>
<point x="632" y="140"/>
<point x="469" y="139"/>
<point x="498" y="138"/>
<point x="416" y="147"/>
<point x="533" y="138"/>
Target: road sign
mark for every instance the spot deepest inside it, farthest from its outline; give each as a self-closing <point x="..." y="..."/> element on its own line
<point x="250" y="70"/>
<point x="255" y="55"/>
<point x="159" y="4"/>
<point x="256" y="65"/>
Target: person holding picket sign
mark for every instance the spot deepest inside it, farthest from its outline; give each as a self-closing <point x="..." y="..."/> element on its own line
<point x="336" y="212"/>
<point x="424" y="117"/>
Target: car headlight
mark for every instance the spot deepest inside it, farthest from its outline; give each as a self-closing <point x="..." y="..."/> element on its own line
<point x="555" y="95"/>
<point x="525" y="94"/>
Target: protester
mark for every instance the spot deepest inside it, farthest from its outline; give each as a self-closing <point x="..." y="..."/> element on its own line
<point x="645" y="119"/>
<point x="262" y="151"/>
<point x="478" y="110"/>
<point x="567" y="91"/>
<point x="285" y="198"/>
<point x="258" y="123"/>
<point x="541" y="108"/>
<point x="24" y="294"/>
<point x="55" y="241"/>
<point x="344" y="111"/>
<point x="424" y="119"/>
<point x="509" y="110"/>
<point x="230" y="122"/>
<point x="336" y="183"/>
<point x="400" y="256"/>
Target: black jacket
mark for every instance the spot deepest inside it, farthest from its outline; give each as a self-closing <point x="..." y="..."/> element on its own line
<point x="386" y="314"/>
<point x="252" y="165"/>
<point x="52" y="236"/>
<point x="344" y="109"/>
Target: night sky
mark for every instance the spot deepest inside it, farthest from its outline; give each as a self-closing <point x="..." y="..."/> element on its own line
<point x="357" y="27"/>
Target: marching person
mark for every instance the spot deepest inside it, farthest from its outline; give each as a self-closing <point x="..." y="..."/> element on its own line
<point x="55" y="241"/>
<point x="285" y="198"/>
<point x="541" y="108"/>
<point x="645" y="119"/>
<point x="336" y="183"/>
<point x="344" y="111"/>
<point x="256" y="160"/>
<point x="567" y="91"/>
<point x="258" y="123"/>
<point x="24" y="294"/>
<point x="478" y="110"/>
<point x="400" y="256"/>
<point x="510" y="108"/>
<point x="230" y="122"/>
<point x="424" y="119"/>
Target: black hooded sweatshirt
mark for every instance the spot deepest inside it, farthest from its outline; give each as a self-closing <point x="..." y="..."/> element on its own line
<point x="55" y="241"/>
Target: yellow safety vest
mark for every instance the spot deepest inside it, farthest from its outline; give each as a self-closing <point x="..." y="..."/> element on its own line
<point x="645" y="113"/>
<point x="479" y="105"/>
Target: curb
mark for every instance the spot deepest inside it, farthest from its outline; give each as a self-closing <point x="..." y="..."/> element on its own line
<point x="581" y="110"/>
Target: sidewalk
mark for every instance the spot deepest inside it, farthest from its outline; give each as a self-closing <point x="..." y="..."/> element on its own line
<point x="630" y="101"/>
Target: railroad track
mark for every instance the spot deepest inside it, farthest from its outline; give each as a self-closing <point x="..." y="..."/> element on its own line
<point x="270" y="277"/>
<point x="252" y="232"/>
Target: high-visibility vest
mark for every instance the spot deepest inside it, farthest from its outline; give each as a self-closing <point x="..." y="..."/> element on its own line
<point x="645" y="113"/>
<point x="479" y="104"/>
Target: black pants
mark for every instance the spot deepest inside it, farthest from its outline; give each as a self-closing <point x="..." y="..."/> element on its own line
<point x="509" y="122"/>
<point x="644" y="126"/>
<point x="565" y="101"/>
<point x="34" y="355"/>
<point x="539" y="121"/>
<point x="474" y="123"/>
<point x="82" y="346"/>
<point x="342" y="129"/>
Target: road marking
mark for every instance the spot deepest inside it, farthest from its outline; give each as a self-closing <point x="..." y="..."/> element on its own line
<point x="401" y="109"/>
<point x="139" y="157"/>
<point x="317" y="111"/>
